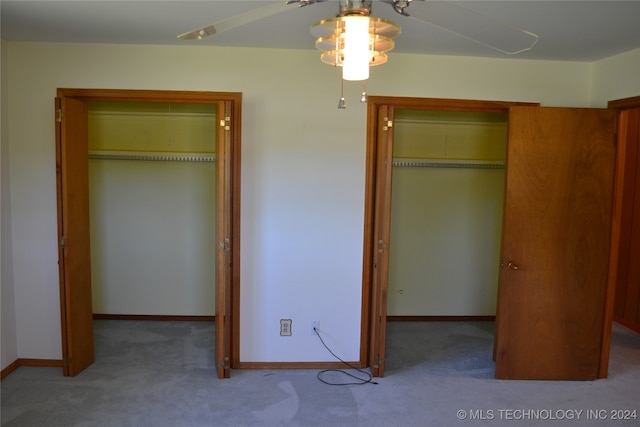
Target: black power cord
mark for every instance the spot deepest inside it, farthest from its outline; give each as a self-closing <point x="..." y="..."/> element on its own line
<point x="359" y="381"/>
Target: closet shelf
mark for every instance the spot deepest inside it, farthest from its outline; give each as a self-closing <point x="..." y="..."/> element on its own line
<point x="152" y="156"/>
<point x="447" y="163"/>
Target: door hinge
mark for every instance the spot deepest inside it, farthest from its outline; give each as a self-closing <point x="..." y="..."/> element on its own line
<point x="67" y="360"/>
<point x="59" y="115"/>
<point x="225" y="363"/>
<point x="383" y="246"/>
<point x="226" y="123"/>
<point x="379" y="363"/>
<point x="63" y="242"/>
<point x="388" y="125"/>
<point x="226" y="244"/>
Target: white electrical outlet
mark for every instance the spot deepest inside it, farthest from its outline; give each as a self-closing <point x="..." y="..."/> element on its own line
<point x="285" y="327"/>
<point x="313" y="325"/>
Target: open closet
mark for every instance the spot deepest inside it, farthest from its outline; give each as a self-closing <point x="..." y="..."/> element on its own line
<point x="446" y="213"/>
<point x="548" y="265"/>
<point x="152" y="185"/>
<point x="148" y="212"/>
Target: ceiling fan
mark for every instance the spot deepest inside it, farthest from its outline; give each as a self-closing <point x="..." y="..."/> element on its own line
<point x="355" y="41"/>
<point x="446" y="15"/>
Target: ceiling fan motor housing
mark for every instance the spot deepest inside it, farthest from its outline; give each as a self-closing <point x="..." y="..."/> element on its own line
<point x="355" y="7"/>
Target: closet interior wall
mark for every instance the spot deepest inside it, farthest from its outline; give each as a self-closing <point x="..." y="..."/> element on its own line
<point x="152" y="184"/>
<point x="446" y="212"/>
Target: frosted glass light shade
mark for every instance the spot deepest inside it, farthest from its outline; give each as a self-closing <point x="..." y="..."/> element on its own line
<point x="357" y="48"/>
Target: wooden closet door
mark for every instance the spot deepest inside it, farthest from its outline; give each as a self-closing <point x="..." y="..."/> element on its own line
<point x="557" y="225"/>
<point x="74" y="257"/>
<point x="382" y="233"/>
<point x="224" y="271"/>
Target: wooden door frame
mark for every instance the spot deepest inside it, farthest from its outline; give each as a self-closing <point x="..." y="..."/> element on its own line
<point x="234" y="99"/>
<point x="616" y="232"/>
<point x="620" y="199"/>
<point x="370" y="309"/>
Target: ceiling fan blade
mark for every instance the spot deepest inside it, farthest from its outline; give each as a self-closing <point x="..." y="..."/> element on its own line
<point x="472" y="25"/>
<point x="238" y="20"/>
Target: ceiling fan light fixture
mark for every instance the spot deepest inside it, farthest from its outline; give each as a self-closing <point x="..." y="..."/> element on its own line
<point x="354" y="42"/>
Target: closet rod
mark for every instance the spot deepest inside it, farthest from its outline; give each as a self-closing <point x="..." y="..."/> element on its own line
<point x="451" y="164"/>
<point x="153" y="157"/>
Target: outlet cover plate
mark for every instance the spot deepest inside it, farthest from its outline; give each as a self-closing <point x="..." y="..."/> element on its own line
<point x="285" y="327"/>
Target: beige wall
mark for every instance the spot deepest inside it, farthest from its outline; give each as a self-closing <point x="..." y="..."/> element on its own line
<point x="616" y="77"/>
<point x="302" y="171"/>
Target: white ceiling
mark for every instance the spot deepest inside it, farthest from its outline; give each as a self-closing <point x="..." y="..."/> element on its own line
<point x="568" y="30"/>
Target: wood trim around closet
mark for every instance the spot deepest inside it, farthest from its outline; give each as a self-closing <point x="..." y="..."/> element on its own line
<point x="172" y="96"/>
<point x="628" y="168"/>
<point x="624" y="103"/>
<point x="133" y="95"/>
<point x="373" y="104"/>
<point x="446" y="104"/>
